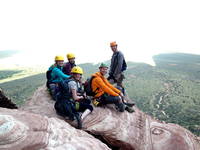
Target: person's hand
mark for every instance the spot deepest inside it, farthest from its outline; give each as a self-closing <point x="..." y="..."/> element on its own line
<point x="84" y="95"/>
<point x="80" y="98"/>
<point x="120" y="99"/>
<point x="109" y="77"/>
<point x="121" y="94"/>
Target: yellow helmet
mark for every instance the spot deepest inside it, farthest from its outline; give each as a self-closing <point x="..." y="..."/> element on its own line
<point x="70" y="56"/>
<point x="77" y="69"/>
<point x="57" y="58"/>
<point x="113" y="44"/>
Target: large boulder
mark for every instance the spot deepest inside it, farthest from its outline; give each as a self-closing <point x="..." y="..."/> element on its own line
<point x="20" y="130"/>
<point x="127" y="131"/>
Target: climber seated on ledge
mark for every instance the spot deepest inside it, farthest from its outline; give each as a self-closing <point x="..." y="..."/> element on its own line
<point x="55" y="76"/>
<point x="71" y="98"/>
<point x="105" y="93"/>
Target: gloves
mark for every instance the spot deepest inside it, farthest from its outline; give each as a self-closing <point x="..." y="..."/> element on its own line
<point x="111" y="77"/>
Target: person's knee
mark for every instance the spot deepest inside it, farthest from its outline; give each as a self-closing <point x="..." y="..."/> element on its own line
<point x="90" y="108"/>
<point x="52" y="85"/>
<point x="117" y="99"/>
<point x="119" y="88"/>
<point x="87" y="100"/>
<point x="53" y="90"/>
<point x="112" y="100"/>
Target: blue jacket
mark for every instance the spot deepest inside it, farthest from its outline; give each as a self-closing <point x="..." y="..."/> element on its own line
<point x="57" y="75"/>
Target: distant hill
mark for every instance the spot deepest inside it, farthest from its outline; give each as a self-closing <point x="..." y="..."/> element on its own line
<point x="168" y="91"/>
<point x="7" y="53"/>
<point x="21" y="89"/>
<point x="7" y="73"/>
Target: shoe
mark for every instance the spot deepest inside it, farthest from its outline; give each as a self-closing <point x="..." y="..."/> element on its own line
<point x="129" y="104"/>
<point x="120" y="107"/>
<point x="129" y="109"/>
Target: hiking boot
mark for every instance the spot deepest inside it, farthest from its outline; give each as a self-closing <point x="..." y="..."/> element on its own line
<point x="129" y="104"/>
<point x="129" y="109"/>
<point x="120" y="107"/>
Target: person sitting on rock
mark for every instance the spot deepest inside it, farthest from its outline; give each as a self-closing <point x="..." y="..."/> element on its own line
<point x="55" y="76"/>
<point x="105" y="93"/>
<point x="70" y="64"/>
<point x="72" y="94"/>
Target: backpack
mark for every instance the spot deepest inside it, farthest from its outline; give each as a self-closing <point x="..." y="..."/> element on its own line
<point x="64" y="90"/>
<point x="124" y="65"/>
<point x="48" y="76"/>
<point x="88" y="87"/>
<point x="66" y="108"/>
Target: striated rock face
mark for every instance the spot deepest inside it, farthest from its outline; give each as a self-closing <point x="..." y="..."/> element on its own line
<point x="22" y="130"/>
<point x="135" y="131"/>
<point x="6" y="102"/>
<point x="139" y="131"/>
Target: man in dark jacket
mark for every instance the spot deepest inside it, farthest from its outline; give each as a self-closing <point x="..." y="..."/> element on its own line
<point x="117" y="66"/>
<point x="70" y="64"/>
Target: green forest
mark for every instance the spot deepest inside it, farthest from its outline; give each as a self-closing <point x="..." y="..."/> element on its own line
<point x="168" y="91"/>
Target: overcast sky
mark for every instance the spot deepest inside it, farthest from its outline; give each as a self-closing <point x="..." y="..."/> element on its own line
<point x="42" y="29"/>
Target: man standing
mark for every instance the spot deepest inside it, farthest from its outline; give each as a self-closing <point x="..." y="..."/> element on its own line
<point x="70" y="64"/>
<point x="117" y="66"/>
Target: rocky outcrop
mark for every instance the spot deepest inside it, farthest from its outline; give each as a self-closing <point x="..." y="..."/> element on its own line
<point x="20" y="130"/>
<point x="135" y="131"/>
<point x="6" y="102"/>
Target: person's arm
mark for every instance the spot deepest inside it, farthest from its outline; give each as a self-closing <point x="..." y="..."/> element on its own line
<point x="75" y="95"/>
<point x="104" y="87"/>
<point x="59" y="73"/>
<point x="112" y="87"/>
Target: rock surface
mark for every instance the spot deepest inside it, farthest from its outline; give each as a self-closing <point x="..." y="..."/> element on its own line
<point x="20" y="130"/>
<point x="127" y="131"/>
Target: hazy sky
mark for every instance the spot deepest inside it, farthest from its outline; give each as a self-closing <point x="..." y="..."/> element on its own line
<point x="142" y="28"/>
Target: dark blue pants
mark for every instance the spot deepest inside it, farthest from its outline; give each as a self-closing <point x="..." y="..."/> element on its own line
<point x="108" y="99"/>
<point x="85" y="104"/>
<point x="54" y="89"/>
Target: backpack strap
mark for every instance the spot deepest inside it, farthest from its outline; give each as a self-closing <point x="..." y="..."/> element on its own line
<point x="91" y="85"/>
<point x="80" y="89"/>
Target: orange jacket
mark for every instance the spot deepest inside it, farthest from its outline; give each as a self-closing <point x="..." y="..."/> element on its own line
<point x="103" y="86"/>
